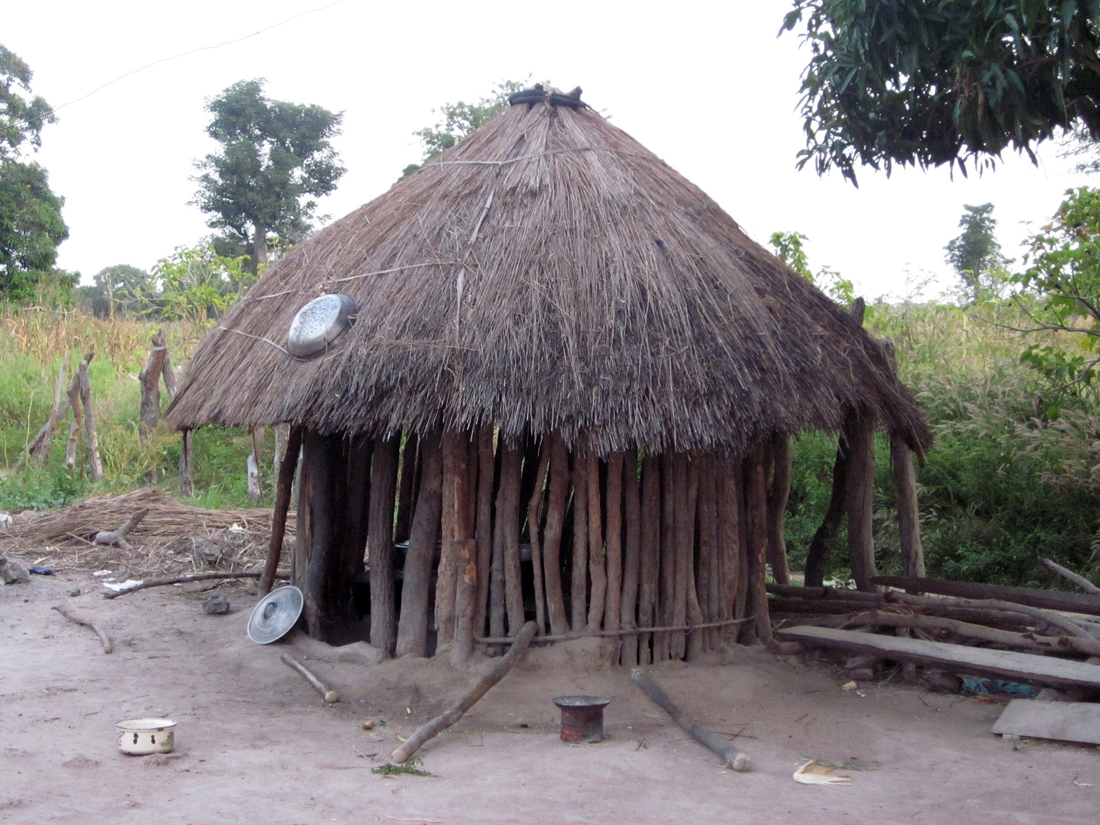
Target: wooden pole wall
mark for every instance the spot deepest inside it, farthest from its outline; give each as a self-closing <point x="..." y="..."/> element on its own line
<point x="412" y="627"/>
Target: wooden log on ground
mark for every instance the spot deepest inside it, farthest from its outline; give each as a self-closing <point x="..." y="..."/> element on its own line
<point x="729" y="753"/>
<point x="1078" y="580"/>
<point x="454" y="713"/>
<point x="997" y="664"/>
<point x="779" y="490"/>
<point x="383" y="494"/>
<point x="283" y="487"/>
<point x="555" y="521"/>
<point x="194" y="577"/>
<point x="329" y="695"/>
<point x="117" y="538"/>
<point x="412" y="627"/>
<point x="597" y="567"/>
<point x="632" y="548"/>
<point x="103" y="637"/>
<point x="1048" y="599"/>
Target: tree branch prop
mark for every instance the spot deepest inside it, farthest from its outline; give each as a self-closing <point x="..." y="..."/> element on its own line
<point x="107" y="648"/>
<point x="195" y="577"/>
<point x="117" y="537"/>
<point x="330" y="695"/>
<point x="732" y="757"/>
<point x="1080" y="581"/>
<point x="459" y="708"/>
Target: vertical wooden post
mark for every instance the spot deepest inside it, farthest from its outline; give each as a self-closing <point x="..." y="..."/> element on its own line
<point x="681" y="555"/>
<point x="778" y="492"/>
<point x="383" y="491"/>
<point x="686" y="526"/>
<point x="282" y="505"/>
<point x="597" y="568"/>
<point x="506" y="538"/>
<point x="255" y="490"/>
<point x="817" y="558"/>
<point x="316" y="570"/>
<point x="666" y="596"/>
<point x="756" y="507"/>
<point x="95" y="465"/>
<point x="486" y="474"/>
<point x="149" y="379"/>
<point x="187" y="482"/>
<point x="632" y="558"/>
<point x="454" y="460"/>
<point x="860" y="497"/>
<point x="405" y="491"/>
<point x="905" y="484"/>
<point x="534" y="532"/>
<point x="650" y="557"/>
<point x="412" y="628"/>
<point x="579" y="590"/>
<point x="614" y="542"/>
<point x="709" y="578"/>
<point x="728" y="508"/>
<point x="466" y="572"/>
<point x="555" y="519"/>
<point x="356" y="520"/>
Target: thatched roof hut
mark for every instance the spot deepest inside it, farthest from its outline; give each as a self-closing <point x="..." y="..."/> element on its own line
<point x="547" y="280"/>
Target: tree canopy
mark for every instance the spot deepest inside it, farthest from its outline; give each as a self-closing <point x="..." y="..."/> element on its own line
<point x="275" y="158"/>
<point x="933" y="82"/>
<point x="31" y="226"/>
<point x="975" y="254"/>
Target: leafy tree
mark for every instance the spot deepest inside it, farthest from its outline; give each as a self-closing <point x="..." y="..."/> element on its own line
<point x="1064" y="270"/>
<point x="932" y="82"/>
<point x="976" y="255"/>
<point x="31" y="226"/>
<point x="789" y="249"/>
<point x="275" y="157"/>
<point x="117" y="288"/>
<point x="460" y="120"/>
<point x="197" y="285"/>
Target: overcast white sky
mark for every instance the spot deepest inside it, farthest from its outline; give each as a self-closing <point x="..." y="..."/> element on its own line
<point x="707" y="86"/>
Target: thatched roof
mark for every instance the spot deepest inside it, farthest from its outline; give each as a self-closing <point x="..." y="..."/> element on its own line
<point x="548" y="273"/>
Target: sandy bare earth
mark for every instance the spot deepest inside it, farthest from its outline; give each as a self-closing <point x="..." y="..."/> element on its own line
<point x="256" y="743"/>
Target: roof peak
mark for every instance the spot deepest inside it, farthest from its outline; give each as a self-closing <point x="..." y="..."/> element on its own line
<point x="551" y="96"/>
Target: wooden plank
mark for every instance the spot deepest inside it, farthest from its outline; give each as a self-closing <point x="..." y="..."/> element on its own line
<point x="1048" y="599"/>
<point x="1064" y="721"/>
<point x="998" y="664"/>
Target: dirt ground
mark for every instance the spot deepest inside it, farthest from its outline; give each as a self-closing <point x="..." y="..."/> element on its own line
<point x="255" y="743"/>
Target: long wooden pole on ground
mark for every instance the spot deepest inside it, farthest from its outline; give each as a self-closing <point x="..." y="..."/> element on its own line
<point x="454" y="713"/>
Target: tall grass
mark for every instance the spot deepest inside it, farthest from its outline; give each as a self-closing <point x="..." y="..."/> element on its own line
<point x="33" y="344"/>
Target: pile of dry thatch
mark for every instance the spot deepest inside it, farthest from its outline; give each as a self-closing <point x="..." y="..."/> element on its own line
<point x="548" y="274"/>
<point x="172" y="538"/>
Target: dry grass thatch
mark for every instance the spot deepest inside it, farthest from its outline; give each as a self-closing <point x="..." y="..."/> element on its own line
<point x="172" y="538"/>
<point x="548" y="273"/>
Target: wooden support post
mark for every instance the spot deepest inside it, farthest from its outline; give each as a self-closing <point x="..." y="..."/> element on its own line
<point x="80" y="396"/>
<point x="149" y="379"/>
<point x="632" y="557"/>
<point x="686" y="526"/>
<point x="534" y="532"/>
<point x="579" y="590"/>
<point x="614" y="542"/>
<point x="666" y="593"/>
<point x="778" y="492"/>
<point x="817" y="558"/>
<point x="383" y="494"/>
<point x="255" y="487"/>
<point x="454" y="461"/>
<point x="597" y="567"/>
<point x="682" y="545"/>
<point x="558" y="493"/>
<point x="650" y="553"/>
<point x="466" y="572"/>
<point x="756" y="526"/>
<point x="187" y="481"/>
<point x="357" y="484"/>
<point x="40" y="445"/>
<point x="412" y="629"/>
<point x="282" y="505"/>
<point x="507" y="531"/>
<point x="728" y="507"/>
<point x="905" y="485"/>
<point x="405" y="491"/>
<point x="860" y="497"/>
<point x="709" y="577"/>
<point x="486" y="474"/>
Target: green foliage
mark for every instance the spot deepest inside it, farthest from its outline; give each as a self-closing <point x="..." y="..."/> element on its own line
<point x="932" y="82"/>
<point x="197" y="285"/>
<point x="275" y="157"/>
<point x="120" y="288"/>
<point x="975" y="254"/>
<point x="404" y="769"/>
<point x="789" y="249"/>
<point x="22" y="115"/>
<point x="461" y="119"/>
